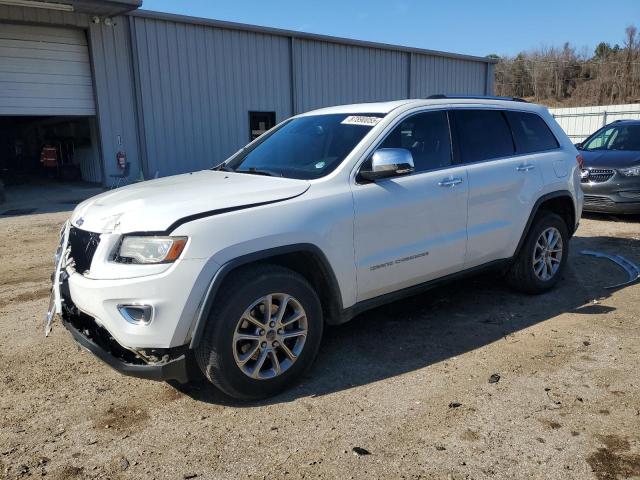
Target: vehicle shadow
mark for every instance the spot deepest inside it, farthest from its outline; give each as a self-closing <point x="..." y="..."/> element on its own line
<point x="445" y="322"/>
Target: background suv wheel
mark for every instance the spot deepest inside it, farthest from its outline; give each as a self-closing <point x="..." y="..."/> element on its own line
<point x="263" y="332"/>
<point x="543" y="256"/>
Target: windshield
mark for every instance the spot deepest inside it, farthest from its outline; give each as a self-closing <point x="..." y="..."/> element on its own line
<point x="622" y="137"/>
<point x="305" y="147"/>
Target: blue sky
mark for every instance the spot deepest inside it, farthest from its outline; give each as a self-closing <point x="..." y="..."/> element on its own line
<point x="475" y="27"/>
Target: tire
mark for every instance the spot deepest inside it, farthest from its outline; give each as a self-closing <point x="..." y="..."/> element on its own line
<point x="523" y="274"/>
<point x="223" y="348"/>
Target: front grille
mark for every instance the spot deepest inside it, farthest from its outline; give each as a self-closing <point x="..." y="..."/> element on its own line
<point x="594" y="201"/>
<point x="597" y="175"/>
<point x="83" y="246"/>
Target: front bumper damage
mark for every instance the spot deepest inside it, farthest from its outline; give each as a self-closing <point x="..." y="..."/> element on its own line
<point x="156" y="364"/>
<point x="97" y="333"/>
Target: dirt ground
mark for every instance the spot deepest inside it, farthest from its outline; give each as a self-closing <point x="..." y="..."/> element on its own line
<point x="408" y="383"/>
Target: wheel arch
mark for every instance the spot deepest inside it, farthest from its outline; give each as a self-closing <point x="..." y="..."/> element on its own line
<point x="306" y="259"/>
<point x="559" y="202"/>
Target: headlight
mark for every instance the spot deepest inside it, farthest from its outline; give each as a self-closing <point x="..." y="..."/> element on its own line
<point x="631" y="172"/>
<point x="150" y="249"/>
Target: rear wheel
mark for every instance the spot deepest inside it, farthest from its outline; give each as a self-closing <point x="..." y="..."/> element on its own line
<point x="543" y="256"/>
<point x="263" y="332"/>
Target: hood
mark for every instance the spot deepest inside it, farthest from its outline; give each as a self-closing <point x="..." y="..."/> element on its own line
<point x="610" y="158"/>
<point x="155" y="205"/>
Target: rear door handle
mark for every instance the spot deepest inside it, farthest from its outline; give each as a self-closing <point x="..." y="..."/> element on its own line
<point x="525" y="167"/>
<point x="450" y="182"/>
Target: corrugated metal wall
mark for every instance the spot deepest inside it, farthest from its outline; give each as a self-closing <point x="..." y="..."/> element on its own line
<point x="580" y="122"/>
<point x="332" y="74"/>
<point x="44" y="16"/>
<point x="433" y="75"/>
<point x="197" y="85"/>
<point x="116" y="101"/>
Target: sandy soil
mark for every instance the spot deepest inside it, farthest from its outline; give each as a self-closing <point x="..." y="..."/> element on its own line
<point x="408" y="383"/>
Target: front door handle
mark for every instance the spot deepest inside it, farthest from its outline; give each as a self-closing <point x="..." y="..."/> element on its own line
<point x="525" y="167"/>
<point x="450" y="182"/>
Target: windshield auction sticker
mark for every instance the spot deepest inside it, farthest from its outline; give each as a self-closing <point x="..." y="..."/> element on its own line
<point x="359" y="120"/>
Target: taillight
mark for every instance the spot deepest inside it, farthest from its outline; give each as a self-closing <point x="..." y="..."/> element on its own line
<point x="580" y="161"/>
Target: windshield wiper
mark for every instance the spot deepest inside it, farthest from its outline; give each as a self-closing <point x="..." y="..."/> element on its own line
<point x="223" y="168"/>
<point x="255" y="171"/>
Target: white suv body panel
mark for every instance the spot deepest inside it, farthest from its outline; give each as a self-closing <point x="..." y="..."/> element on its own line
<point x="392" y="253"/>
<point x="357" y="227"/>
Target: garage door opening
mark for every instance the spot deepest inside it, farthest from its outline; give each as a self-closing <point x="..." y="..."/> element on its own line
<point x="49" y="147"/>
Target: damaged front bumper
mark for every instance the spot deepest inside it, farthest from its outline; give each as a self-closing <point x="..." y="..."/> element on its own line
<point x="172" y="363"/>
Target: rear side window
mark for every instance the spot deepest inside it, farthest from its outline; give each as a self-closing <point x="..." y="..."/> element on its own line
<point x="482" y="135"/>
<point x="530" y="132"/>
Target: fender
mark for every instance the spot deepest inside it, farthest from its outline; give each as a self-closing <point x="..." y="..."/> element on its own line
<point x="534" y="212"/>
<point x="218" y="278"/>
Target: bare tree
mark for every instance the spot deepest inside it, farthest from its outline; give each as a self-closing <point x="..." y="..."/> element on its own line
<point x="564" y="76"/>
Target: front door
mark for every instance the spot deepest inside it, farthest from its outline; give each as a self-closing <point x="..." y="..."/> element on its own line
<point x="411" y="229"/>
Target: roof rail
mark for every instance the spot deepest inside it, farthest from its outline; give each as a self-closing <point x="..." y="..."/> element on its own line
<point x="441" y="96"/>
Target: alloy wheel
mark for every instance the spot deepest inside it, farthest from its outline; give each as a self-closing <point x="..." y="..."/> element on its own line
<point x="547" y="254"/>
<point x="270" y="336"/>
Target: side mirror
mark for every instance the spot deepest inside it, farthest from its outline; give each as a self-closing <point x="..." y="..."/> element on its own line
<point x="389" y="162"/>
<point x="578" y="145"/>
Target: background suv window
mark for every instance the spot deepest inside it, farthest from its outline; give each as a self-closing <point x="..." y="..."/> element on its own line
<point x="530" y="132"/>
<point x="622" y="137"/>
<point x="482" y="135"/>
<point x="426" y="136"/>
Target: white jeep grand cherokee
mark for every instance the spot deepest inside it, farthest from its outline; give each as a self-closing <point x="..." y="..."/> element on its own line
<point x="326" y="215"/>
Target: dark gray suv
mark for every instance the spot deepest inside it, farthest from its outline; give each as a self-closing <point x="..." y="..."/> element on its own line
<point x="611" y="172"/>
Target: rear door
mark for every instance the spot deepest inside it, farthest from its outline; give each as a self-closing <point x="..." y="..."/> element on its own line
<point x="411" y="229"/>
<point x="503" y="185"/>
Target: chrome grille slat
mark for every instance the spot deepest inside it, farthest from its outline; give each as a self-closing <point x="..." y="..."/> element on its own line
<point x="598" y="175"/>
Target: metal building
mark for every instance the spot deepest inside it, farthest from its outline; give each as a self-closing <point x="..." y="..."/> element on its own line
<point x="169" y="94"/>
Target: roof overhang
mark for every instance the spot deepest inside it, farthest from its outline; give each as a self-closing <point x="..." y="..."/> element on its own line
<point x="102" y="8"/>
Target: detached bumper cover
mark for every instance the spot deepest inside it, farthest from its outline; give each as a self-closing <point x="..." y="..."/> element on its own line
<point x="174" y="369"/>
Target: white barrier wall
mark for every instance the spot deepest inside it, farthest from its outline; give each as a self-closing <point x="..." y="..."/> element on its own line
<point x="580" y="122"/>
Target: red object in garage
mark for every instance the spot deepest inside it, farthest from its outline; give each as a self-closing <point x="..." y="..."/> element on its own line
<point x="121" y="158"/>
<point x="49" y="156"/>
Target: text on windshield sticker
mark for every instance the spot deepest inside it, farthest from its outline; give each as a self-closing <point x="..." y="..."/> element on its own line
<point x="360" y="120"/>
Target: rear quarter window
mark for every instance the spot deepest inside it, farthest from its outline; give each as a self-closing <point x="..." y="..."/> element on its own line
<point x="482" y="135"/>
<point x="530" y="132"/>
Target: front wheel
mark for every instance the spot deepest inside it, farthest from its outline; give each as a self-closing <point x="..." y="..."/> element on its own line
<point x="543" y="256"/>
<point x="263" y="332"/>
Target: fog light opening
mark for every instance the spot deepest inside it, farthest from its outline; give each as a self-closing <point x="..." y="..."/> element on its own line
<point x="137" y="314"/>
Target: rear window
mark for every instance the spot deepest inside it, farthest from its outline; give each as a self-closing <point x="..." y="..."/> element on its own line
<point x="482" y="135"/>
<point x="530" y="132"/>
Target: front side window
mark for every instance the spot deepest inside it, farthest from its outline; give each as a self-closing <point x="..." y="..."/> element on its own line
<point x="530" y="132"/>
<point x="305" y="147"/>
<point x="426" y="136"/>
<point x="482" y="135"/>
<point x="622" y="137"/>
